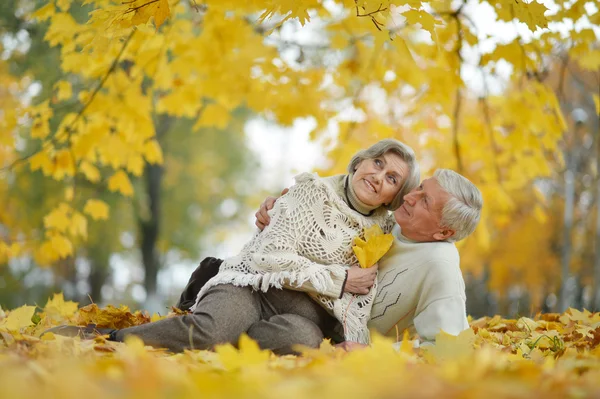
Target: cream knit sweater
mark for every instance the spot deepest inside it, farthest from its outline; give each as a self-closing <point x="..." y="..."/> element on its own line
<point x="308" y="246"/>
<point x="420" y="283"/>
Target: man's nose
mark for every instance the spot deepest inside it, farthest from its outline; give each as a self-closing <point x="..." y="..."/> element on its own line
<point x="411" y="198"/>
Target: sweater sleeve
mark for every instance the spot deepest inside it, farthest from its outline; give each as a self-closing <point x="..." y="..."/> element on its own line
<point x="448" y="314"/>
<point x="282" y="244"/>
<point x="335" y="291"/>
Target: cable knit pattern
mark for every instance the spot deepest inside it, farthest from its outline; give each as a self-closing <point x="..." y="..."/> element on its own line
<point x="309" y="239"/>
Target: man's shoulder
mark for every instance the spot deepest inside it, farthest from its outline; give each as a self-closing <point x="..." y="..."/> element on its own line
<point x="441" y="251"/>
<point x="422" y="261"/>
<point x="426" y="252"/>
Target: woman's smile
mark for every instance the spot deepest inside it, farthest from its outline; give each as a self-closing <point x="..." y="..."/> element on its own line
<point x="370" y="186"/>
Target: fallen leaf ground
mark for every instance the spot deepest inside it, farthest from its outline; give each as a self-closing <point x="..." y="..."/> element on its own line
<point x="550" y="356"/>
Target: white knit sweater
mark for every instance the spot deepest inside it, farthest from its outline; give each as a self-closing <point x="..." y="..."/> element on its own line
<point x="420" y="284"/>
<point x="308" y="246"/>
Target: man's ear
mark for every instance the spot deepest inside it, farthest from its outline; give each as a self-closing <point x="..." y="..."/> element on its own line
<point x="443" y="234"/>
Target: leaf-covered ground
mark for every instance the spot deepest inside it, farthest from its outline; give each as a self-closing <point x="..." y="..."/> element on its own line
<point x="552" y="355"/>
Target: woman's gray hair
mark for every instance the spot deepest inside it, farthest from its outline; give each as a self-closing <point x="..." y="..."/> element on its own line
<point x="404" y="152"/>
<point x="463" y="210"/>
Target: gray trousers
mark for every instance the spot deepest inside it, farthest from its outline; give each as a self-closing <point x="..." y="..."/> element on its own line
<point x="276" y="319"/>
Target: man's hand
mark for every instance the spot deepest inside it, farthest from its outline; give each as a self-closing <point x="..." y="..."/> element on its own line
<point x="262" y="217"/>
<point x="350" y="346"/>
<point x="360" y="280"/>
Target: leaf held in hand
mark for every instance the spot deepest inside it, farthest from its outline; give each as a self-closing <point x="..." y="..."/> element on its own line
<point x="373" y="247"/>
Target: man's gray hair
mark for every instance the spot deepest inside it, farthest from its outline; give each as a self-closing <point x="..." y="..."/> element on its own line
<point x="404" y="152"/>
<point x="463" y="210"/>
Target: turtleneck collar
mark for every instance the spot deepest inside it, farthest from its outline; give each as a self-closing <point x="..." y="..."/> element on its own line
<point x="353" y="200"/>
<point x="397" y="231"/>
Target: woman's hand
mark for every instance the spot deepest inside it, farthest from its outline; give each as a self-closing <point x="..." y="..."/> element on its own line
<point x="360" y="280"/>
<point x="349" y="346"/>
<point x="262" y="217"/>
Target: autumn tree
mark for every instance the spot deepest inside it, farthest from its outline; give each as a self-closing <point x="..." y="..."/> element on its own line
<point x="433" y="74"/>
<point x="33" y="195"/>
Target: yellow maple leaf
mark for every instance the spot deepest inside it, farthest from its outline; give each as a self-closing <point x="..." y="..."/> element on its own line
<point x="43" y="13"/>
<point x="58" y="218"/>
<point x="375" y="245"/>
<point x="97" y="209"/>
<point x="64" y="90"/>
<point x="162" y="13"/>
<point x="535" y="15"/>
<point x="61" y="245"/>
<point x="423" y="18"/>
<point x="159" y="9"/>
<point x="214" y="115"/>
<point x="40" y="128"/>
<point x="451" y="347"/>
<point x="248" y="354"/>
<point x="120" y="182"/>
<point x="89" y="171"/>
<point x="18" y="318"/>
<point x="64" y="4"/>
<point x="58" y="307"/>
<point x="135" y="165"/>
<point x="42" y="161"/>
<point x="78" y="225"/>
<point x="597" y="102"/>
<point x="64" y="164"/>
<point x="153" y="152"/>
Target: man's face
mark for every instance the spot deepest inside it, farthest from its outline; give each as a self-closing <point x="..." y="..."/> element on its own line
<point x="421" y="214"/>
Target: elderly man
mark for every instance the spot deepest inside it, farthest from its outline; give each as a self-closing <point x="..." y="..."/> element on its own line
<point x="419" y="281"/>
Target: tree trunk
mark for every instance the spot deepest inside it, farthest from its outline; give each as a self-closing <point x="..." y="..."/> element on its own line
<point x="97" y="278"/>
<point x="150" y="226"/>
<point x="595" y="303"/>
<point x="568" y="224"/>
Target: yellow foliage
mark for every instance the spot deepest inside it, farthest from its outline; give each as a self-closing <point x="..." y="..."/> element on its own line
<point x="57" y="308"/>
<point x="373" y="247"/>
<point x="60" y="245"/>
<point x="97" y="209"/>
<point x="64" y="90"/>
<point x="213" y="115"/>
<point x="377" y="74"/>
<point x="549" y="355"/>
<point x="120" y="182"/>
<point x="18" y="319"/>
<point x="58" y="219"/>
<point x="153" y="152"/>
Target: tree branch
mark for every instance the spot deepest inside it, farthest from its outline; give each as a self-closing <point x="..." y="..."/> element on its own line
<point x="458" y="98"/>
<point x="54" y="138"/>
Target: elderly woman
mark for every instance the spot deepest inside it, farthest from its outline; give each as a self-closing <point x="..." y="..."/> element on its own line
<point x="292" y="276"/>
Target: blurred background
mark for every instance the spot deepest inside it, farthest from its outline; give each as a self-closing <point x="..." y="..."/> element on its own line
<point x="468" y="87"/>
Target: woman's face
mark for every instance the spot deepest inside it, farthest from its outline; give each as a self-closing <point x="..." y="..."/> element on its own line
<point x="377" y="181"/>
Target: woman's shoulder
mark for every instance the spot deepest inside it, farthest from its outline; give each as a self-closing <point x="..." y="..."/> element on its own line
<point x="332" y="185"/>
<point x="332" y="190"/>
<point x="320" y="189"/>
<point x="332" y="181"/>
